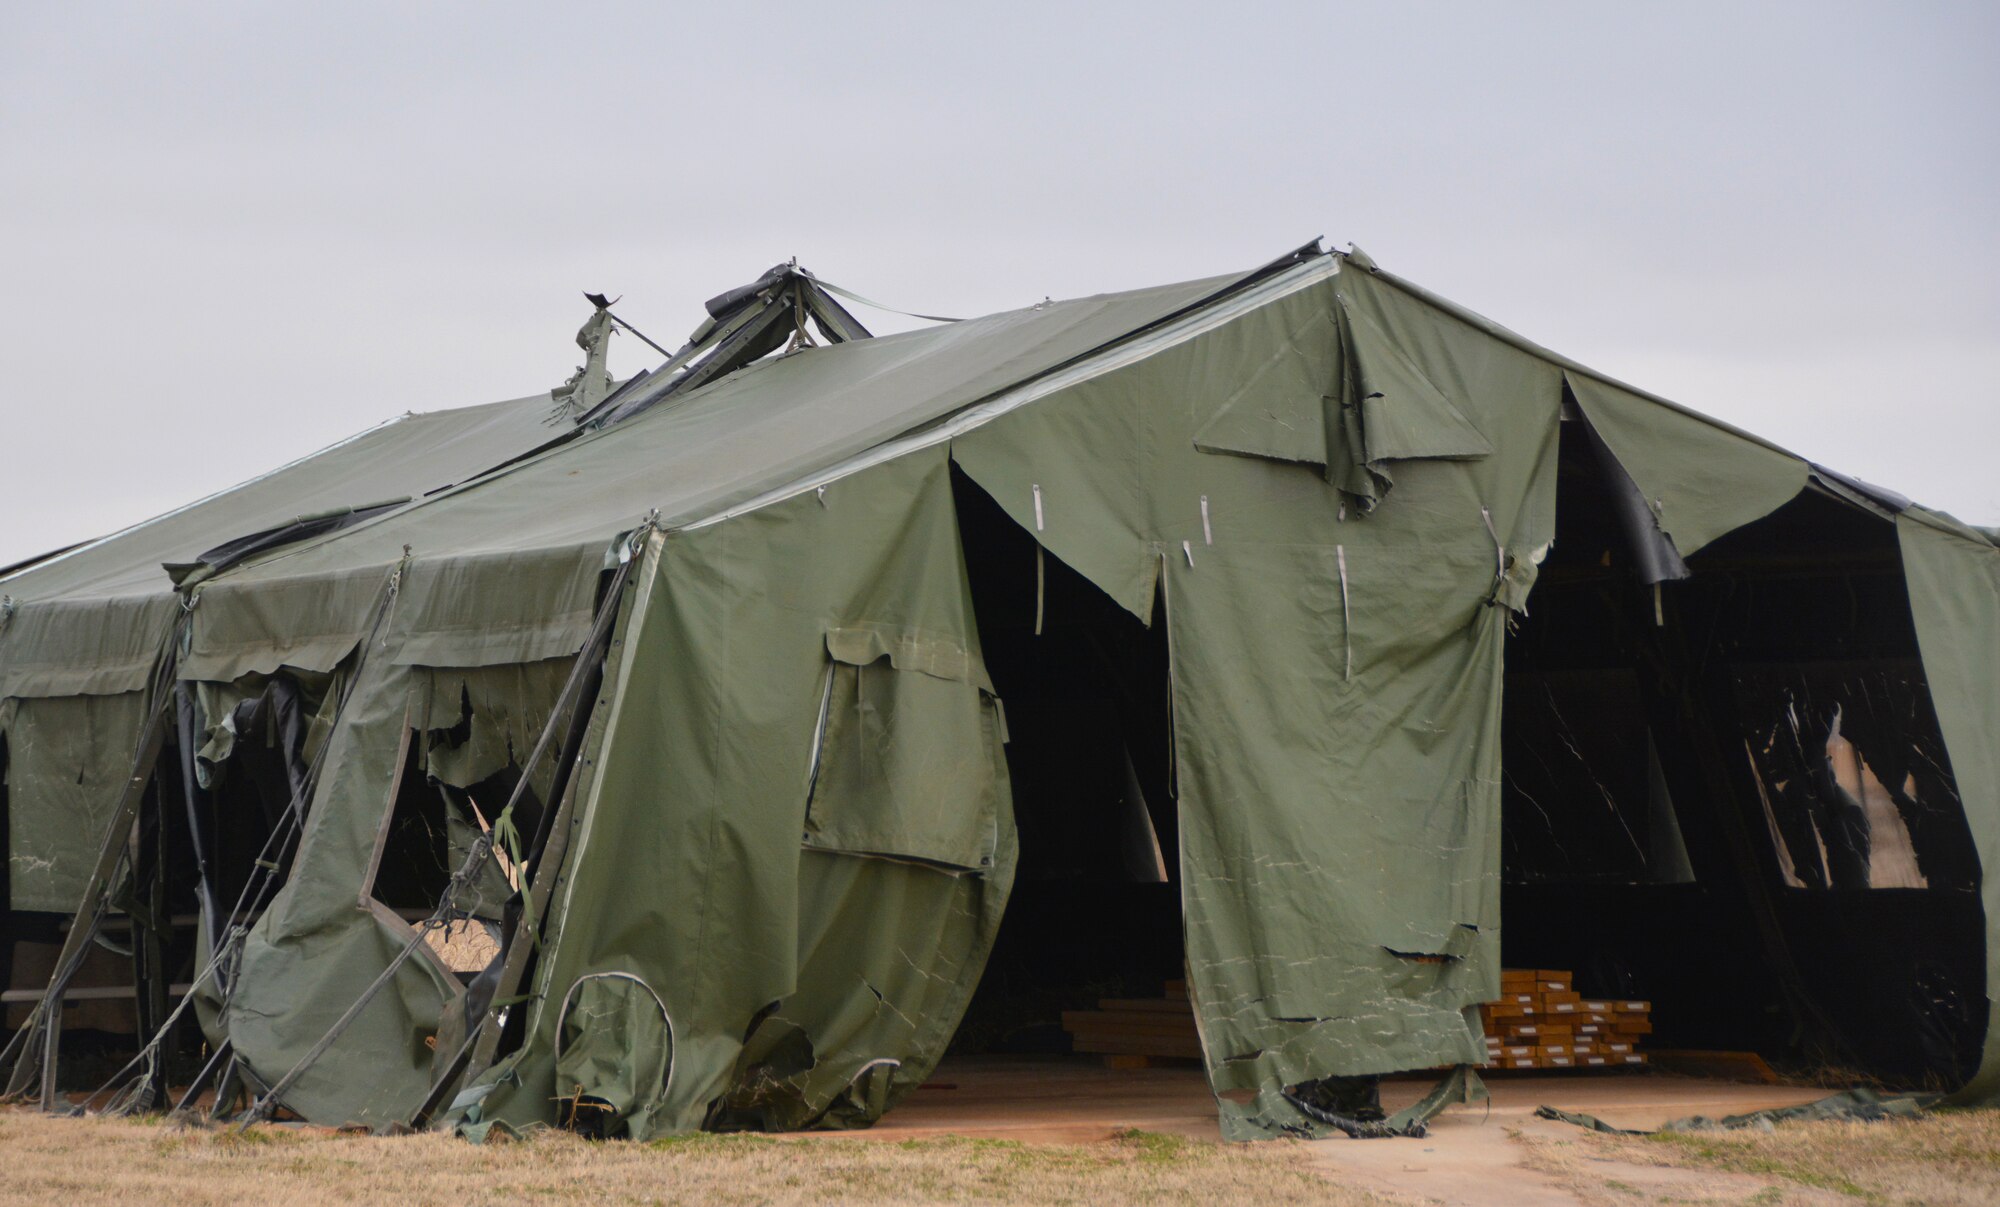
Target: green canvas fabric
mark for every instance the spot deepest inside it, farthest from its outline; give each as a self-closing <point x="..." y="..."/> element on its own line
<point x="323" y="939"/>
<point x="501" y="711"/>
<point x="867" y="1025"/>
<point x="217" y="703"/>
<point x="1339" y="820"/>
<point x="1858" y="1105"/>
<point x="1700" y="479"/>
<point x="219" y="740"/>
<point x="614" y="1046"/>
<point x="305" y="624"/>
<point x="63" y="754"/>
<point x="1954" y="583"/>
<point x="830" y="963"/>
<point x="1338" y="393"/>
<point x="504" y="572"/>
<point x="73" y="679"/>
<point x="83" y="647"/>
<point x="90" y="622"/>
<point x="1382" y="409"/>
<point x="1405" y="416"/>
<point x="906" y="760"/>
<point x="514" y="607"/>
<point x="1279" y="408"/>
<point x="1389" y="412"/>
<point x="475" y="722"/>
<point x="505" y="608"/>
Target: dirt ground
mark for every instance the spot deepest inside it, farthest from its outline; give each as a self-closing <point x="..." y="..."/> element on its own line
<point x="1005" y="1132"/>
<point x="1500" y="1153"/>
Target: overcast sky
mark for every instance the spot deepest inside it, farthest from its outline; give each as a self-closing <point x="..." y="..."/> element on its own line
<point x="233" y="233"/>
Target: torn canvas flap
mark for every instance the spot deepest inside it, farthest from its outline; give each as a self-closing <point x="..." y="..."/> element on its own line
<point x="321" y="941"/>
<point x="478" y="721"/>
<point x="1405" y="415"/>
<point x="1699" y="479"/>
<point x="1329" y="388"/>
<point x="1384" y="410"/>
<point x="265" y="709"/>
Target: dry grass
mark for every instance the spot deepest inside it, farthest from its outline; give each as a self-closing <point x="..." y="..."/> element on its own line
<point x="1944" y="1159"/>
<point x="49" y="1160"/>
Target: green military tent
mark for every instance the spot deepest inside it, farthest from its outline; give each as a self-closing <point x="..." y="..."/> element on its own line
<point x="688" y="768"/>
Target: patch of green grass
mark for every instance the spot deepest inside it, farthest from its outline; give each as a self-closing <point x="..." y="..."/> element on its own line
<point x="1156" y="1147"/>
<point x="709" y="1142"/>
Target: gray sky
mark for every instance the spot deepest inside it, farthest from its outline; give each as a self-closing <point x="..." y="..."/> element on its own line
<point x="233" y="233"/>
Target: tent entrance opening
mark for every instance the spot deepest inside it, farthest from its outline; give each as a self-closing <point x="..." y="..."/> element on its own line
<point x="1089" y="956"/>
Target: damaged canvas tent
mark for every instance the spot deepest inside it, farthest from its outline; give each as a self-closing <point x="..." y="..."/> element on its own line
<point x="82" y="630"/>
<point x="672" y="774"/>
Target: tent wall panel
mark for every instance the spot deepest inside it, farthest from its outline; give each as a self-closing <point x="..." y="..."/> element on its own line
<point x="68" y="758"/>
<point x="1313" y="796"/>
<point x="1954" y="582"/>
<point x="688" y="871"/>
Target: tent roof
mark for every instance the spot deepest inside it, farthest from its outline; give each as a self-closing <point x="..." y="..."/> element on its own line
<point x="396" y="459"/>
<point x="769" y="424"/>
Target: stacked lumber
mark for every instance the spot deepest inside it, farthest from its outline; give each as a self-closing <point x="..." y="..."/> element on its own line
<point x="1137" y="1031"/>
<point x="1541" y="1022"/>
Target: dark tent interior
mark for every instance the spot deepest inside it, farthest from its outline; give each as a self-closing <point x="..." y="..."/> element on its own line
<point x="208" y="826"/>
<point x="1728" y="794"/>
<point x="1095" y="909"/>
